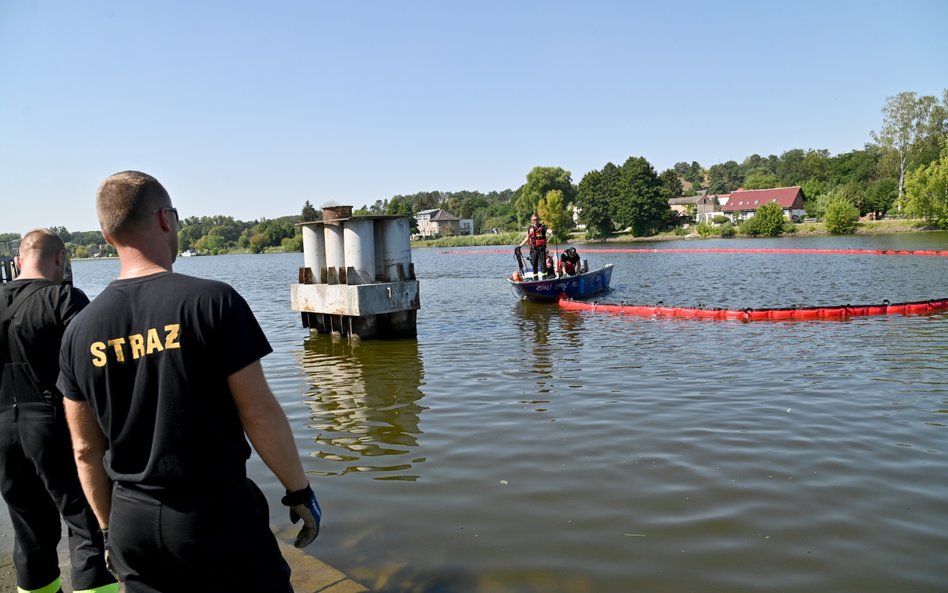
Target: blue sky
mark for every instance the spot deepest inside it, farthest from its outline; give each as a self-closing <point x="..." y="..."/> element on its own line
<point x="248" y="109"/>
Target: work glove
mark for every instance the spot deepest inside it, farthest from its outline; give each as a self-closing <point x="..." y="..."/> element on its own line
<point x="303" y="505"/>
<point x="105" y="547"/>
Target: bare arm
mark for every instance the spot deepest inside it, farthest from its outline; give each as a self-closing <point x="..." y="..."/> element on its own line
<point x="89" y="446"/>
<point x="266" y="425"/>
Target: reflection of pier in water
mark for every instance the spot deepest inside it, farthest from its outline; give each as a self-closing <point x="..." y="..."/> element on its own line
<point x="364" y="401"/>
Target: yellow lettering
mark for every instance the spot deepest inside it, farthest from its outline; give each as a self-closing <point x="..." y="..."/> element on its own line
<point x="137" y="343"/>
<point x="171" y="336"/>
<point x="98" y="354"/>
<point x="154" y="342"/>
<point x="116" y="344"/>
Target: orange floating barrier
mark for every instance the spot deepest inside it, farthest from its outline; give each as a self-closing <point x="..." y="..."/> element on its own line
<point x="778" y="314"/>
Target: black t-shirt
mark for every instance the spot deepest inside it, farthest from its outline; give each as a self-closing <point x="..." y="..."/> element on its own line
<point x="38" y="325"/>
<point x="152" y="355"/>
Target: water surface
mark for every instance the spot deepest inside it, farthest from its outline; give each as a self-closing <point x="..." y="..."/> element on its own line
<point x="520" y="448"/>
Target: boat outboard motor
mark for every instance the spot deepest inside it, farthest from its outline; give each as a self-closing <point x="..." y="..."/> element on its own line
<point x="519" y="255"/>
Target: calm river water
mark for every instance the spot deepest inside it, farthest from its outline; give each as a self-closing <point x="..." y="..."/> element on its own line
<point x="520" y="448"/>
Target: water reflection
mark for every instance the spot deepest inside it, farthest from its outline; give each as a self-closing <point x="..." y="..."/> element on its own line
<point x="364" y="401"/>
<point x="550" y="351"/>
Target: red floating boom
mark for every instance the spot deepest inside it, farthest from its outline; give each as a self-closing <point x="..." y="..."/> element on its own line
<point x="886" y="308"/>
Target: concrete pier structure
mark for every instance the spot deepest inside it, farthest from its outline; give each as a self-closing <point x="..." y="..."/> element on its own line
<point x="357" y="278"/>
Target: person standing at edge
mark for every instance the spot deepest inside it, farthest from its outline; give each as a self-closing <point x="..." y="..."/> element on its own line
<point x="38" y="476"/>
<point x="537" y="237"/>
<point x="164" y="385"/>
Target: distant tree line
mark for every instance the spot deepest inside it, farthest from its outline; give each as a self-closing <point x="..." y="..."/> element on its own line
<point x="903" y="172"/>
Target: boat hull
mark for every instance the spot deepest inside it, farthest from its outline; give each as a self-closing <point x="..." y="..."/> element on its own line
<point x="581" y="286"/>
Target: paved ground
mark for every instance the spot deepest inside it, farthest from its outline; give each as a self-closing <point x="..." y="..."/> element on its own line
<point x="310" y="575"/>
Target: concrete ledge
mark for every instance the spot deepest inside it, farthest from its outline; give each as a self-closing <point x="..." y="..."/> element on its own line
<point x="311" y="575"/>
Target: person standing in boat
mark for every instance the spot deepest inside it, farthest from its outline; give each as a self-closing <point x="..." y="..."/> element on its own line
<point x="537" y="236"/>
<point x="569" y="262"/>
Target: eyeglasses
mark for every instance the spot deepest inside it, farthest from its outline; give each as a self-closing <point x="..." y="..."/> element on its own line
<point x="169" y="209"/>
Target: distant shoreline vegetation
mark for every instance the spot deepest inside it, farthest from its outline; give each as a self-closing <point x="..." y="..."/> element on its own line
<point x="903" y="172"/>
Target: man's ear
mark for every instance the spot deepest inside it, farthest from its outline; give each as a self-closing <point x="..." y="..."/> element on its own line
<point x="107" y="238"/>
<point x="60" y="258"/>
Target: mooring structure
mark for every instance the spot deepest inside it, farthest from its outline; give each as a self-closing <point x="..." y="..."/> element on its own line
<point x="357" y="277"/>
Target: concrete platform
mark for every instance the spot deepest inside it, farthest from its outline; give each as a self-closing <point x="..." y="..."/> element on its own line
<point x="310" y="575"/>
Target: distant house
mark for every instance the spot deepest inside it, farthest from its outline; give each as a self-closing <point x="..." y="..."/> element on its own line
<point x="680" y="205"/>
<point x="437" y="221"/>
<point x="743" y="203"/>
<point x="709" y="206"/>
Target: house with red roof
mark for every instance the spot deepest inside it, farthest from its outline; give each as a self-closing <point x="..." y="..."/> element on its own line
<point x="743" y="203"/>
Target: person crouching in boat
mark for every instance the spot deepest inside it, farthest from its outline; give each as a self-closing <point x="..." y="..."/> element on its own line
<point x="549" y="267"/>
<point x="537" y="237"/>
<point x="569" y="262"/>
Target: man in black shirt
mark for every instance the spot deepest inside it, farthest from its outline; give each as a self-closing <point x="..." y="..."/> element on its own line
<point x="569" y="262"/>
<point x="38" y="477"/>
<point x="163" y="380"/>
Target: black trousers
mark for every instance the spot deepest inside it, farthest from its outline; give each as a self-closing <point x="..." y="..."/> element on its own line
<point x="538" y="259"/>
<point x="39" y="482"/>
<point x="203" y="538"/>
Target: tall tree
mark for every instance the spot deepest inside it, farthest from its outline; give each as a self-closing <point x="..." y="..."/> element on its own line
<point x="724" y="178"/>
<point x="638" y="201"/>
<point x="309" y="213"/>
<point x="926" y="192"/>
<point x="671" y="184"/>
<point x="907" y="120"/>
<point x="791" y="169"/>
<point x="553" y="213"/>
<point x="593" y="201"/>
<point x="541" y="180"/>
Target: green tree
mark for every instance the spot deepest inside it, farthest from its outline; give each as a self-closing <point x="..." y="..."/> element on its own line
<point x="671" y="184"/>
<point x="841" y="216"/>
<point x="907" y="120"/>
<point x="692" y="173"/>
<point x="541" y="180"/>
<point x="310" y="214"/>
<point x="725" y="178"/>
<point x="63" y="233"/>
<point x="761" y="180"/>
<point x="769" y="220"/>
<point x="594" y="200"/>
<point x="553" y="212"/>
<point x="292" y="244"/>
<point x="858" y="165"/>
<point x="791" y="169"/>
<point x="926" y="192"/>
<point x="638" y="201"/>
<point x="880" y="195"/>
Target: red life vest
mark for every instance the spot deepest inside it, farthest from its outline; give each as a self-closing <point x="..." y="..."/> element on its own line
<point x="537" y="234"/>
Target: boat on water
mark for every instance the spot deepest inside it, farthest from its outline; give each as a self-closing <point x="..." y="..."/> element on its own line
<point x="539" y="289"/>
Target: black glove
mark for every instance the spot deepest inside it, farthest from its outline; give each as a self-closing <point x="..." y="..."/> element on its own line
<point x="303" y="505"/>
<point x="105" y="546"/>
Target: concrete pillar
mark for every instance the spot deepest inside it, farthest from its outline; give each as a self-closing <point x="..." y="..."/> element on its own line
<point x="359" y="238"/>
<point x="314" y="249"/>
<point x="335" y="252"/>
<point x="396" y="249"/>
